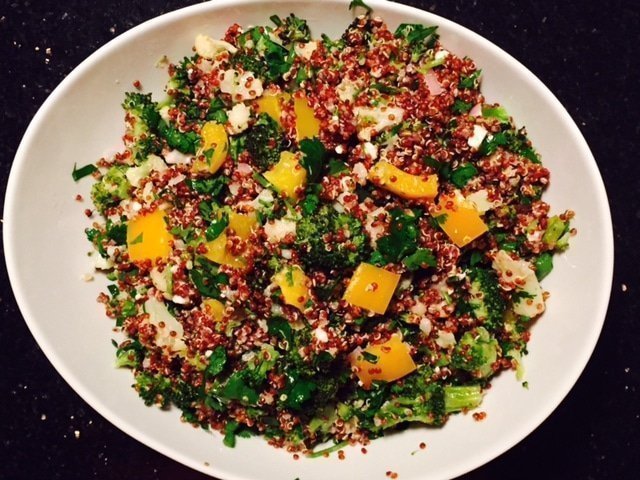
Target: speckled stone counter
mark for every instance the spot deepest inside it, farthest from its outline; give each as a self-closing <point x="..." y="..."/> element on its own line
<point x="586" y="54"/>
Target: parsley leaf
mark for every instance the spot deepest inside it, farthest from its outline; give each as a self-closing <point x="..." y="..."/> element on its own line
<point x="212" y="186"/>
<point x="461" y="175"/>
<point x="217" y="361"/>
<point x="417" y="35"/>
<point x="512" y="140"/>
<point x="402" y="239"/>
<point x="206" y="278"/>
<point x="280" y="327"/>
<point x="461" y="107"/>
<point x="187" y="142"/>
<point x="313" y="158"/>
<point x="421" y="258"/>
<point x="470" y="81"/>
<point x="359" y="3"/>
<point x="336" y="167"/>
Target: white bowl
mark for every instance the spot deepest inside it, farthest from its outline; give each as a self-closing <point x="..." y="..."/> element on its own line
<point x="46" y="249"/>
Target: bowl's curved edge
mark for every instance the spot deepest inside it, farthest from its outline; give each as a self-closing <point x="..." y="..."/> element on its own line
<point x="10" y="207"/>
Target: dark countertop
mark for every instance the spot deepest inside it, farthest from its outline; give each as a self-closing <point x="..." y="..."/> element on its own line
<point x="583" y="52"/>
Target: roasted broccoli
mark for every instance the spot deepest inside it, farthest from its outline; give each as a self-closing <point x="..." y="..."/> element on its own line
<point x="476" y="352"/>
<point x="111" y="189"/>
<point x="328" y="239"/>
<point x="264" y="141"/>
<point x="486" y="301"/>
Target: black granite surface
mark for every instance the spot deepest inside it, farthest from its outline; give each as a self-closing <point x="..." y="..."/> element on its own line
<point x="584" y="51"/>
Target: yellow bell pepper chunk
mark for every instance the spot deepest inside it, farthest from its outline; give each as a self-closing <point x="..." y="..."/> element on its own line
<point x="242" y="225"/>
<point x="294" y="285"/>
<point x="387" y="361"/>
<point x="371" y="288"/>
<point x="287" y="176"/>
<point x="148" y="237"/>
<point x="403" y="184"/>
<point x="271" y="104"/>
<point x="214" y="307"/>
<point x="462" y="222"/>
<point x="214" y="137"/>
<point x="307" y="125"/>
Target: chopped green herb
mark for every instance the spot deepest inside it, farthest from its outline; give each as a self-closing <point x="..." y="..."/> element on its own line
<point x="82" y="172"/>
<point x="461" y="175"/>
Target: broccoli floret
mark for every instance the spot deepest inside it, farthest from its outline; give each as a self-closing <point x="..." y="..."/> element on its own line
<point x="113" y="188"/>
<point x="486" y="301"/>
<point x="292" y="29"/>
<point x="264" y="141"/>
<point x="153" y="389"/>
<point x="323" y="421"/>
<point x="249" y="63"/>
<point x="414" y="399"/>
<point x="130" y="354"/>
<point x="160" y="390"/>
<point x="143" y="112"/>
<point x="142" y="121"/>
<point x="244" y="385"/>
<point x="328" y="239"/>
<point x="464" y="397"/>
<point x="476" y="352"/>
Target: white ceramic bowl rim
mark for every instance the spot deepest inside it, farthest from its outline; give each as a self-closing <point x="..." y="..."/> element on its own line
<point x="11" y="240"/>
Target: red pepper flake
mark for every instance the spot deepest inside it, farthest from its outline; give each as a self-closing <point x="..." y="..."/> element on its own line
<point x="296" y="456"/>
<point x="137" y="85"/>
<point x="88" y="212"/>
<point x="341" y="454"/>
<point x="423" y="446"/>
<point x="363" y="450"/>
<point x="79" y="198"/>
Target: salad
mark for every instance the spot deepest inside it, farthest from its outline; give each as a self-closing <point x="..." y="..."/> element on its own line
<point x="321" y="239"/>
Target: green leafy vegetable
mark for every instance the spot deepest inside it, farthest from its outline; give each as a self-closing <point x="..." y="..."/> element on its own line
<point x="421" y="258"/>
<point x="217" y="362"/>
<point x="417" y="35"/>
<point x="217" y="226"/>
<point x="185" y="142"/>
<point x="360" y="3"/>
<point x="402" y="238"/>
<point x="207" y="279"/>
<point x="82" y="172"/>
<point x="470" y="81"/>
<point x="313" y="158"/>
<point x="461" y="175"/>
<point x="544" y="265"/>
<point x="497" y="112"/>
<point x="460" y="106"/>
